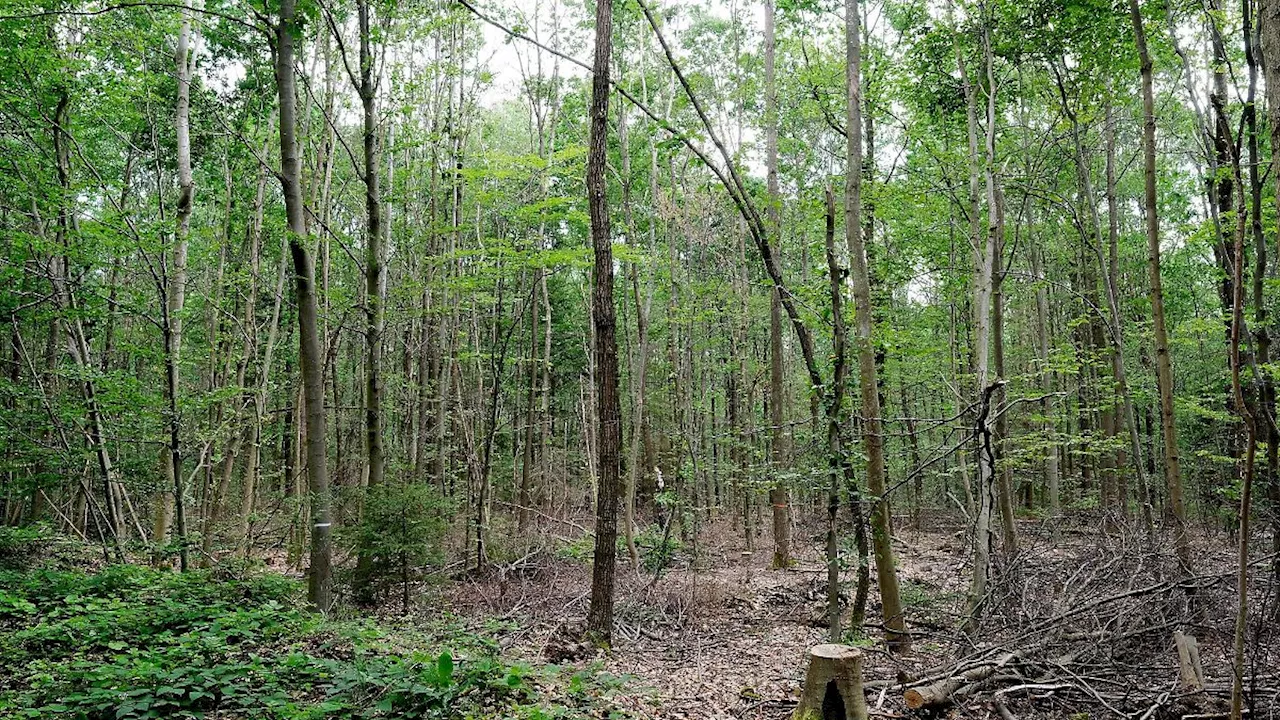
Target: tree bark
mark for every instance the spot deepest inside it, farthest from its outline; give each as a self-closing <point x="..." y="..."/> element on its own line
<point x="1269" y="34"/>
<point x="872" y="430"/>
<point x="320" y="574"/>
<point x="1051" y="477"/>
<point x="779" y="496"/>
<point x="1164" y="366"/>
<point x="375" y="292"/>
<point x="600" y="615"/>
<point x="984" y="268"/>
<point x="176" y="286"/>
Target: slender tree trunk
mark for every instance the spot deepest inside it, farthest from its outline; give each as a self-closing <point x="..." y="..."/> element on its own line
<point x="1251" y="435"/>
<point x="1111" y="269"/>
<point x="995" y="274"/>
<point x="320" y="574"/>
<point x="984" y="268"/>
<point x="779" y="496"/>
<point x="375" y="292"/>
<point x="1269" y="35"/>
<point x="872" y="431"/>
<point x="176" y="286"/>
<point x="1051" y="477"/>
<point x="600" y="616"/>
<point x="1164" y="366"/>
<point x="640" y="368"/>
<point x="838" y="461"/>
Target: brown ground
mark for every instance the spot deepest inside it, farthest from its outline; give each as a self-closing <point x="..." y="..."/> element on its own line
<point x="723" y="636"/>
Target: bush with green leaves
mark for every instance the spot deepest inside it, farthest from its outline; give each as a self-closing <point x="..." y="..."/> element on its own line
<point x="24" y="546"/>
<point x="402" y="528"/>
<point x="132" y="642"/>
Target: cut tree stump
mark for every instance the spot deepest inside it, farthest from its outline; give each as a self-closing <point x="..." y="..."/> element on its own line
<point x="833" y="685"/>
<point x="1189" y="669"/>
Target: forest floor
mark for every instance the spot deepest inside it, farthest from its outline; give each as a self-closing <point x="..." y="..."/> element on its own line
<point x="721" y="635"/>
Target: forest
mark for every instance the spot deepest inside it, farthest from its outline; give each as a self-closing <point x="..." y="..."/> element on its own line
<point x="834" y="359"/>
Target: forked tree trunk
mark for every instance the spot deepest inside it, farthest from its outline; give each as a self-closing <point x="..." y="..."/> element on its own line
<point x="995" y="273"/>
<point x="984" y="267"/>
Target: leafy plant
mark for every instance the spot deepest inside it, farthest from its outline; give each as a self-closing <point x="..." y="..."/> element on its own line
<point x="130" y="643"/>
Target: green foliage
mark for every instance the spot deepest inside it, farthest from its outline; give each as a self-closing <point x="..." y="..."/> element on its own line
<point x="580" y="548"/>
<point x="19" y="546"/>
<point x="402" y="528"/>
<point x="657" y="547"/>
<point x="132" y="642"/>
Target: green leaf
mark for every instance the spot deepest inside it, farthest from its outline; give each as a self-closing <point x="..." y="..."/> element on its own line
<point x="444" y="668"/>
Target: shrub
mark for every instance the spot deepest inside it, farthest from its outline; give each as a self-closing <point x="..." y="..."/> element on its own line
<point x="133" y="642"/>
<point x="401" y="528"/>
<point x="21" y="547"/>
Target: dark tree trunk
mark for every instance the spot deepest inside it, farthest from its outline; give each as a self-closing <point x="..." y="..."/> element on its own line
<point x="600" y="616"/>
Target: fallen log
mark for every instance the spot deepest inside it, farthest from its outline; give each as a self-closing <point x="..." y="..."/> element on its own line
<point x="947" y="691"/>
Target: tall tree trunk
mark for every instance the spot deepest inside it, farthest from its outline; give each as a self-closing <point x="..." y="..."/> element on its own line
<point x="1051" y="477"/>
<point x="375" y="292"/>
<point x="1111" y="270"/>
<point x="779" y="496"/>
<point x="984" y="267"/>
<point x="838" y="461"/>
<point x="600" y="615"/>
<point x="995" y="274"/>
<point x="176" y="286"/>
<point x="320" y="574"/>
<point x="872" y="431"/>
<point x="1164" y="366"/>
<point x="1246" y="411"/>
<point x="640" y="368"/>
<point x="1269" y="34"/>
<point x="529" y="459"/>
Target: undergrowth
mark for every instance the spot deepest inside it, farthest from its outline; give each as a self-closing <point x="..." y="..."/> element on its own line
<point x="134" y="642"/>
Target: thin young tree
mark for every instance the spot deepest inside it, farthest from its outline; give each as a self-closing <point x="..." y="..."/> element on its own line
<point x="779" y="496"/>
<point x="1164" y="366"/>
<point x="375" y="286"/>
<point x="174" y="288"/>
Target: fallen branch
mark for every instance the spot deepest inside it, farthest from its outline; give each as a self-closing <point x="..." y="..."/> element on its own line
<point x="956" y="687"/>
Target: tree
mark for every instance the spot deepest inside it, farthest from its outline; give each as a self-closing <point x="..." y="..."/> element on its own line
<point x="605" y="350"/>
<point x="779" y="498"/>
<point x="1164" y="365"/>
<point x="320" y="572"/>
<point x="872" y="430"/>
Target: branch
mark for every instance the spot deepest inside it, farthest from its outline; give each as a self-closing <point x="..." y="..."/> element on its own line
<point x="141" y="4"/>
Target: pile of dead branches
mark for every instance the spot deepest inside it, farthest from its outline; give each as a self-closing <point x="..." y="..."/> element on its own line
<point x="1106" y="622"/>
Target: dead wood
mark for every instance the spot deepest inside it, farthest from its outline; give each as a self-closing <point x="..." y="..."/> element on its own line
<point x="949" y="690"/>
